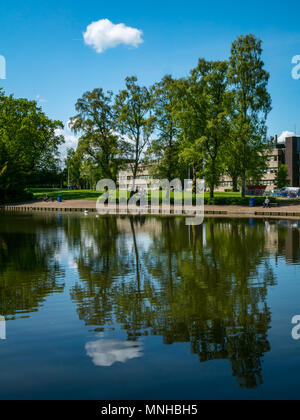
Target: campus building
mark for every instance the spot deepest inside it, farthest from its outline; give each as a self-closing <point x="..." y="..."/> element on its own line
<point x="287" y="153"/>
<point x="142" y="182"/>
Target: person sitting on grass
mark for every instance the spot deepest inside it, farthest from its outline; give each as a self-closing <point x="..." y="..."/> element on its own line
<point x="267" y="203"/>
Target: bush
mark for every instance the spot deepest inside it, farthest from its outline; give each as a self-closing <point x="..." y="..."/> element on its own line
<point x="15" y="196"/>
<point x="223" y="201"/>
<point x="236" y="201"/>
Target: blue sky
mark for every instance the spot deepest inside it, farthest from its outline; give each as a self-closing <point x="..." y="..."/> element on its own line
<point x="48" y="59"/>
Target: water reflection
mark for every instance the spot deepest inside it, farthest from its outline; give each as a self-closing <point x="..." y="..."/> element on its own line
<point x="29" y="271"/>
<point x="203" y="285"/>
<point x="207" y="286"/>
<point x="108" y="352"/>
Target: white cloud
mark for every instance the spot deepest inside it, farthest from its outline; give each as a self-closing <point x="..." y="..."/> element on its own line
<point x="104" y="34"/>
<point x="284" y="135"/>
<point x="108" y="352"/>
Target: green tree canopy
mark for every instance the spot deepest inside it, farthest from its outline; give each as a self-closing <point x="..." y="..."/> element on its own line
<point x="211" y="78"/>
<point x="282" y="177"/>
<point x="165" y="148"/>
<point x="249" y="81"/>
<point x="29" y="143"/>
<point x="98" y="142"/>
<point x="135" y="121"/>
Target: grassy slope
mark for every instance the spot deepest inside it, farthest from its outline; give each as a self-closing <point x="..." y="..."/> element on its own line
<point x="91" y="195"/>
<point x="40" y="193"/>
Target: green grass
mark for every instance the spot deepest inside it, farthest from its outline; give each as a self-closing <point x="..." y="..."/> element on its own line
<point x="40" y="193"/>
<point x="221" y="198"/>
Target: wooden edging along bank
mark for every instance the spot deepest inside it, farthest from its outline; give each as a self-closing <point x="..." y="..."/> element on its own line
<point x="78" y="210"/>
<point x="91" y="210"/>
<point x="46" y="209"/>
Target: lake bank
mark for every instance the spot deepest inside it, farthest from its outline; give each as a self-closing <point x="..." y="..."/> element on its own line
<point x="283" y="210"/>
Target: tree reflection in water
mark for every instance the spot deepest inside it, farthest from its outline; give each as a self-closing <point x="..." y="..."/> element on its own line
<point x="29" y="271"/>
<point x="206" y="285"/>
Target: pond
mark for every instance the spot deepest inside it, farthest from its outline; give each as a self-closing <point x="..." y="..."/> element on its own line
<point x="148" y="308"/>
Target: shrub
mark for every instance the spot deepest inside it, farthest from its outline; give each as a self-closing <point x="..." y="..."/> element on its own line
<point x="15" y="196"/>
<point x="238" y="201"/>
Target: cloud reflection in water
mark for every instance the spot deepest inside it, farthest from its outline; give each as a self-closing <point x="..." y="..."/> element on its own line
<point x="108" y="352"/>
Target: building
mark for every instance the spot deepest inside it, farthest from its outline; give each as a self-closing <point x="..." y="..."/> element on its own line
<point x="287" y="153"/>
<point x="142" y="182"/>
<point x="292" y="160"/>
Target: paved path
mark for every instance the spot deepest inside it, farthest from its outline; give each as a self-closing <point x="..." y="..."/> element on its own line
<point x="238" y="211"/>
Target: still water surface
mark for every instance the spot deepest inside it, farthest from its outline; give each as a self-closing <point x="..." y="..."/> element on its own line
<point x="148" y="308"/>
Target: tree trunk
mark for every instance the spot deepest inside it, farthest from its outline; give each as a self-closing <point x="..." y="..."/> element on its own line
<point x="244" y="186"/>
<point x="135" y="170"/>
<point x="212" y="183"/>
<point x="194" y="190"/>
<point x="212" y="190"/>
<point x="235" y="184"/>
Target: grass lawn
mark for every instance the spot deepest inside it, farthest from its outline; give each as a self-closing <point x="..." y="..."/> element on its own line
<point x="40" y="193"/>
<point x="221" y="198"/>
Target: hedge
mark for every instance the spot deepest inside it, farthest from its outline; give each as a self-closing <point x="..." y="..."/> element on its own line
<point x="13" y="197"/>
<point x="237" y="201"/>
<point x="223" y="201"/>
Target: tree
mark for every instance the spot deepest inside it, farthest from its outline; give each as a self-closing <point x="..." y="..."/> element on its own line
<point x="231" y="159"/>
<point x="72" y="163"/>
<point x="212" y="78"/>
<point x="135" y="122"/>
<point x="99" y="141"/>
<point x="29" y="143"/>
<point x="282" y="177"/>
<point x="249" y="81"/>
<point x="190" y="115"/>
<point x="165" y="148"/>
<point x="89" y="173"/>
<point x="202" y="115"/>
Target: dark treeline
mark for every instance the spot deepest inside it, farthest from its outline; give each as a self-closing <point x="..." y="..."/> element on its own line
<point x="208" y="124"/>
